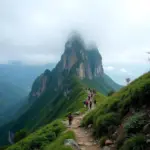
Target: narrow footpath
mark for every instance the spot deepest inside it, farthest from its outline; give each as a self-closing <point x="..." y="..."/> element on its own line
<point x="84" y="137"/>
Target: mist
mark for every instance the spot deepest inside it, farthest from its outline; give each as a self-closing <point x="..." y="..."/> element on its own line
<point x="34" y="31"/>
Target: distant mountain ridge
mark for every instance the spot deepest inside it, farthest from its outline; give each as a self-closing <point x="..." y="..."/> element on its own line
<point x="15" y="83"/>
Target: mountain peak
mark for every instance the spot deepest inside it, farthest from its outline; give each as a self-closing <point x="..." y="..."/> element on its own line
<point x="82" y="61"/>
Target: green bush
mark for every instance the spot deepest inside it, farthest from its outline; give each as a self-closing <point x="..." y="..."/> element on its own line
<point x="104" y="121"/>
<point x="40" y="138"/>
<point x="134" y="123"/>
<point x="58" y="144"/>
<point x="52" y="135"/>
<point x="135" y="143"/>
<point x="102" y="140"/>
<point x="20" y="135"/>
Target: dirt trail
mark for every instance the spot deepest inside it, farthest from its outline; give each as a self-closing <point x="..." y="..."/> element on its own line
<point x="83" y="136"/>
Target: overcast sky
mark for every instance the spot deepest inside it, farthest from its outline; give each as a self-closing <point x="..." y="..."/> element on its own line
<point x="34" y="31"/>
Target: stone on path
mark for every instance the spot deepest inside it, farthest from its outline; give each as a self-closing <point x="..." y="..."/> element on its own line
<point x="108" y="142"/>
<point x="72" y="143"/>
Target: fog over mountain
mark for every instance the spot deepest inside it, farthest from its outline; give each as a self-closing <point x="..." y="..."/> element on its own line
<point x="34" y="32"/>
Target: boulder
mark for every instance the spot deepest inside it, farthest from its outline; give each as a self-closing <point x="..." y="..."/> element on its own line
<point x="72" y="143"/>
<point x="108" y="142"/>
<point x="146" y="128"/>
<point x="90" y="126"/>
<point x="148" y="141"/>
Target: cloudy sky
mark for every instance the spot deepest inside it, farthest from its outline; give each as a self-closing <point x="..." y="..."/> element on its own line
<point x="34" y="32"/>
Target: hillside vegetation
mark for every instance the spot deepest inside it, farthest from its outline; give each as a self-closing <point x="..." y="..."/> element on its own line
<point x="50" y="136"/>
<point x="128" y="109"/>
<point x="42" y="111"/>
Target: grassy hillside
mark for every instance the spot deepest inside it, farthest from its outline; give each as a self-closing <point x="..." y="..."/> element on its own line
<point x="50" y="136"/>
<point x="103" y="84"/>
<point x="128" y="107"/>
<point x="48" y="107"/>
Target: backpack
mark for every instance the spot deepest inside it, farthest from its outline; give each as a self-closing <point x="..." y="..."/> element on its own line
<point x="70" y="117"/>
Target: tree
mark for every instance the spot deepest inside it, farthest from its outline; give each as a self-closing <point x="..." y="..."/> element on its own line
<point x="128" y="80"/>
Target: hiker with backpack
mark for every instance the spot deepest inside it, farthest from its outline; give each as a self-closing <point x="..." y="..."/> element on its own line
<point x="90" y="104"/>
<point x="70" y="118"/>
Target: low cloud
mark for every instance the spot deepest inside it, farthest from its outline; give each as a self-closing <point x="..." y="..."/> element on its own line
<point x="109" y="68"/>
<point x="123" y="70"/>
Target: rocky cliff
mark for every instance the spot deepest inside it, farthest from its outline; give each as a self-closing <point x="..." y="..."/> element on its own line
<point x="78" y="59"/>
<point x="82" y="61"/>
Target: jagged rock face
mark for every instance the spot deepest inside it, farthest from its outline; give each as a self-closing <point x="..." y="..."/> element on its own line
<point x="40" y="85"/>
<point x="85" y="63"/>
<point x="76" y="60"/>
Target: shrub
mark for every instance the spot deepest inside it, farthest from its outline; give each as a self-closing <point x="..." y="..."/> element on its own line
<point x="135" y="143"/>
<point x="51" y="136"/>
<point x="38" y="142"/>
<point x="58" y="144"/>
<point x="88" y="119"/>
<point x="104" y="121"/>
<point x="134" y="123"/>
<point x="111" y="93"/>
<point x="20" y="135"/>
<point x="102" y="140"/>
<point x="40" y="138"/>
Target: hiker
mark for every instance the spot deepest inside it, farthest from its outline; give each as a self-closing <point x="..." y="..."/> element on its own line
<point x="84" y="103"/>
<point x="90" y="104"/>
<point x="87" y="103"/>
<point x="70" y="118"/>
<point x="89" y="97"/>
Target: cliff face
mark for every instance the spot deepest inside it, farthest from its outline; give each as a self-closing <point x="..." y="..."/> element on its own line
<point x="77" y="59"/>
<point x="85" y="63"/>
<point x="40" y="85"/>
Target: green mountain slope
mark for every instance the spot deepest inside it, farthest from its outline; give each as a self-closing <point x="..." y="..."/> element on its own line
<point x="49" y="137"/>
<point x="129" y="108"/>
<point x="15" y="84"/>
<point x="41" y="136"/>
<point x="11" y="99"/>
<point x="42" y="111"/>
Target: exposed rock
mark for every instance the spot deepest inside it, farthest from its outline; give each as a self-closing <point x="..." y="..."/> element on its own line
<point x="148" y="141"/>
<point x="90" y="126"/>
<point x="72" y="143"/>
<point x="146" y="128"/>
<point x="114" y="135"/>
<point x="81" y="71"/>
<point x="148" y="136"/>
<point x="108" y="142"/>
